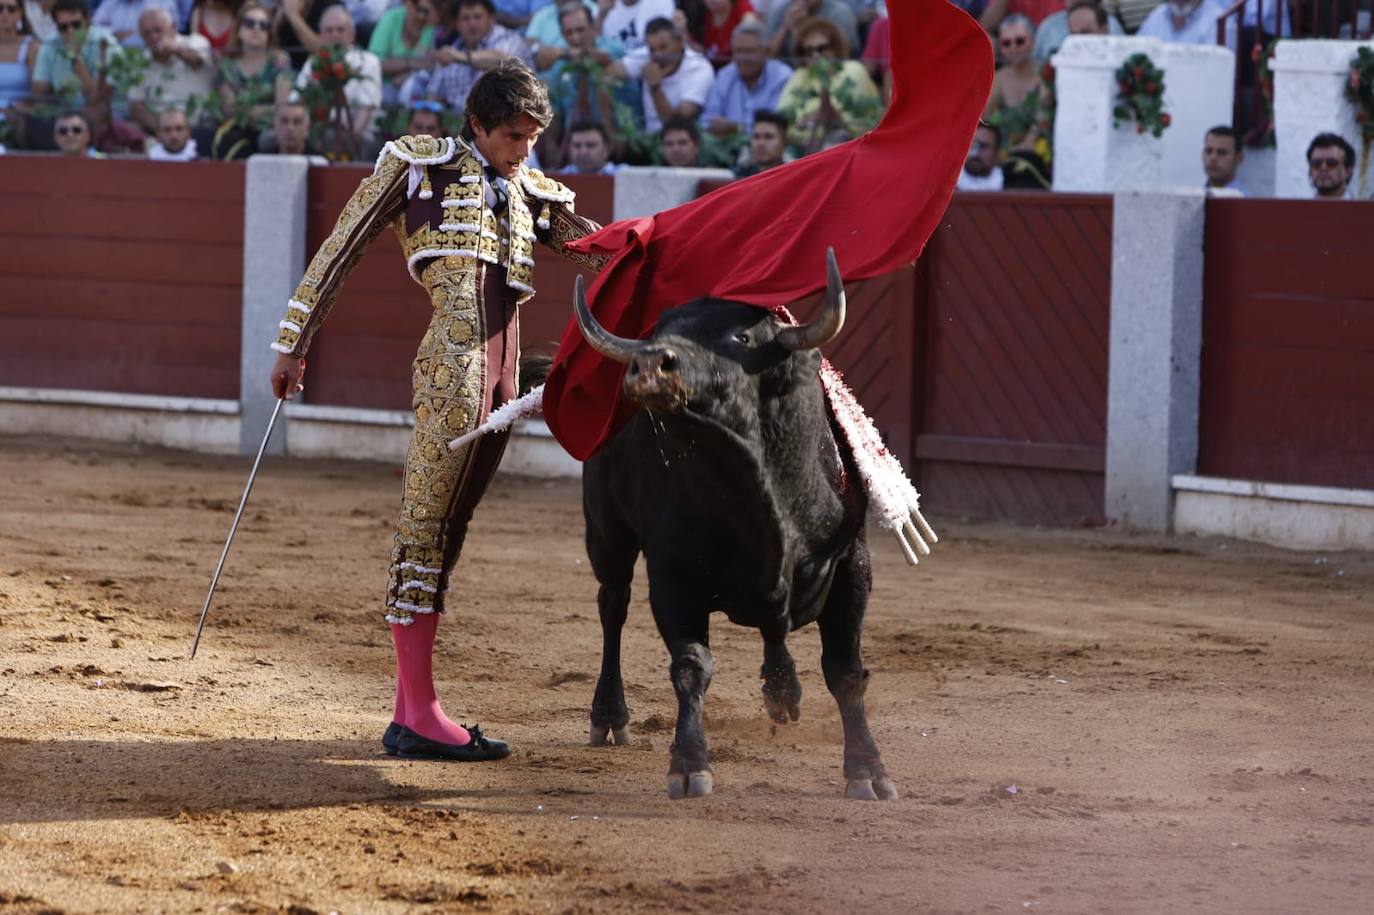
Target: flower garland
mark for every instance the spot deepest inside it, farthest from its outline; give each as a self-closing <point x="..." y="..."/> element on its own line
<point x="1140" y="96"/>
<point x="1264" y="75"/>
<point x="1359" y="91"/>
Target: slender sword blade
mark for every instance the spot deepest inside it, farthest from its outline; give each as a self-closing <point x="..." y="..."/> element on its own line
<point x="252" y="475"/>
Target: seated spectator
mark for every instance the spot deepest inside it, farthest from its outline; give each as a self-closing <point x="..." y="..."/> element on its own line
<point x="18" y="54"/>
<point x="121" y="17"/>
<point x="767" y="144"/>
<point x="627" y="21"/>
<point x="72" y="66"/>
<point x="980" y="171"/>
<point x="482" y="44"/>
<point x="680" y="142"/>
<point x="676" y="79"/>
<point x="1016" y="86"/>
<point x="1188" y="22"/>
<point x="254" y="74"/>
<point x="752" y="82"/>
<point x="216" y="21"/>
<point x="516" y="14"/>
<point x="1330" y="165"/>
<point x="363" y="94"/>
<point x="589" y="150"/>
<point x="72" y="136"/>
<point x="180" y="68"/>
<point x="404" y="43"/>
<point x="426" y="120"/>
<point x="718" y="28"/>
<point x="831" y="99"/>
<point x="291" y="125"/>
<point x="581" y="85"/>
<point x="544" y="35"/>
<point x="1083" y="17"/>
<point x="174" y="141"/>
<point x="786" y="19"/>
<point x="38" y="19"/>
<point x="1221" y="158"/>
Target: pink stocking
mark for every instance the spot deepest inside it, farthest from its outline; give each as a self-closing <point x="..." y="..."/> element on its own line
<point x="417" y="705"/>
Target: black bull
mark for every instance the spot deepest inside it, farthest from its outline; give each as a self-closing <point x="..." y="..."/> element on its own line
<point x="730" y="481"/>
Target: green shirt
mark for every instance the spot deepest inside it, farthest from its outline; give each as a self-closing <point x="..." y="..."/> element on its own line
<point x="387" y="41"/>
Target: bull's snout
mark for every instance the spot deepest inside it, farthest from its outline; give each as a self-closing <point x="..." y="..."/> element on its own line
<point x="658" y="360"/>
<point x="653" y="379"/>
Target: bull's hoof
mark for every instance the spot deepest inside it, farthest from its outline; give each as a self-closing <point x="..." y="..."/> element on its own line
<point x="601" y="736"/>
<point x="871" y="789"/>
<point x="781" y="712"/>
<point x="693" y="784"/>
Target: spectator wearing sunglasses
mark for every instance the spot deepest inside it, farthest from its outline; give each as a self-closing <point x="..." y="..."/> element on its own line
<point x="829" y="98"/>
<point x="1011" y="105"/>
<point x="786" y="18"/>
<point x="72" y="136"/>
<point x="254" y="71"/>
<point x="1330" y="165"/>
<point x="71" y="64"/>
<point x="404" y="42"/>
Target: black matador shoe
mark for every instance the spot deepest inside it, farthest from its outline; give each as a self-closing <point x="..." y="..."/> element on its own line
<point x="390" y="736"/>
<point x="480" y="749"/>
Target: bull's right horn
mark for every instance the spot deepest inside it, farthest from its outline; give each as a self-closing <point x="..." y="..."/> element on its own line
<point x="601" y="340"/>
<point x="827" y="325"/>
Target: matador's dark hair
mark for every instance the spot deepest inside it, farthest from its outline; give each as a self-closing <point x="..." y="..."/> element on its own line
<point x="503" y="94"/>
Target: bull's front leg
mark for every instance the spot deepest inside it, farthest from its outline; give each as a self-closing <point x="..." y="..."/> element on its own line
<point x="841" y="625"/>
<point x="689" y="772"/>
<point x="610" y="716"/>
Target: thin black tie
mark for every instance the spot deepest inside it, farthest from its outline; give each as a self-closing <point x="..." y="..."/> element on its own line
<point x="500" y="206"/>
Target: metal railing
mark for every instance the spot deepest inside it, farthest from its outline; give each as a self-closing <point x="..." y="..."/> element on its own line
<point x="1305" y="19"/>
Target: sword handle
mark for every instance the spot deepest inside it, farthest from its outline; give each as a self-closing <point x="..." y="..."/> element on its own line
<point x="252" y="475"/>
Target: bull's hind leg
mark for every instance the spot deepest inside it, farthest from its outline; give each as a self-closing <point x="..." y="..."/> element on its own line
<point x="613" y="561"/>
<point x="781" y="689"/>
<point x="841" y="625"/>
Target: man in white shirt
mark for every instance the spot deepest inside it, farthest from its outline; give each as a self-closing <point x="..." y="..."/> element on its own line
<point x="627" y="21"/>
<point x="980" y="172"/>
<point x="677" y="80"/>
<point x="364" y="94"/>
<point x="1221" y="158"/>
<point x="1188" y="22"/>
<point x="180" y="68"/>
<point x="174" y="142"/>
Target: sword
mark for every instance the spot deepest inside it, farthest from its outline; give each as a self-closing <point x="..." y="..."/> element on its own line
<point x="252" y="475"/>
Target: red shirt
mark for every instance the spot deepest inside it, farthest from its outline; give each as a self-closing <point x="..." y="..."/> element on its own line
<point x="716" y="38"/>
<point x="1037" y="10"/>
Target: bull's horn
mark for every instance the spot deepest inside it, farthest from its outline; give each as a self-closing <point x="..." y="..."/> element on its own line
<point x="826" y="327"/>
<point x="601" y="340"/>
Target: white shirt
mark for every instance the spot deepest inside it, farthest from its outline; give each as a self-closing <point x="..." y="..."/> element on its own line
<point x="626" y="24"/>
<point x="363" y="92"/>
<point x="158" y="153"/>
<point x="690" y="82"/>
<point x="992" y="181"/>
<point x="173" y="82"/>
<point x="1200" y="27"/>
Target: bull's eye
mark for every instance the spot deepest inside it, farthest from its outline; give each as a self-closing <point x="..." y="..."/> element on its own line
<point x="743" y="337"/>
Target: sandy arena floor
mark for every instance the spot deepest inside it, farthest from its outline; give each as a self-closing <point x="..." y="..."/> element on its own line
<point x="1081" y="721"/>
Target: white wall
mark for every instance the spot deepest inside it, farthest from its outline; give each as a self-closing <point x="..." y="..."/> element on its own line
<point x="1309" y="86"/>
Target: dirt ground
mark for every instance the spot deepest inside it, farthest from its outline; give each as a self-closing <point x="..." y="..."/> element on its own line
<point x="1080" y="721"/>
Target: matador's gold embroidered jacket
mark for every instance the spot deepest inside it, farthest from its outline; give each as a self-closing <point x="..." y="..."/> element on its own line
<point x="433" y="193"/>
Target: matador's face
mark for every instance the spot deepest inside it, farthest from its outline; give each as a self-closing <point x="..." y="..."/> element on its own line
<point x="507" y="146"/>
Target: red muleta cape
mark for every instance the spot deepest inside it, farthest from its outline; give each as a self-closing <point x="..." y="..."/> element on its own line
<point x="762" y="240"/>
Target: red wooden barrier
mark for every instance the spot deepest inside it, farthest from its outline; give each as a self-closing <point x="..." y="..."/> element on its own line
<point x="1015" y="312"/>
<point x="121" y="275"/>
<point x="362" y="356"/>
<point x="1288" y="343"/>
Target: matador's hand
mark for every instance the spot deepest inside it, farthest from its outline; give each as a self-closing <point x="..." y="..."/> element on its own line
<point x="287" y="373"/>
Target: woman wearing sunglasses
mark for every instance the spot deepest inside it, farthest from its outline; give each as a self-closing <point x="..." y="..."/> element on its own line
<point x="829" y="98"/>
<point x="1008" y="105"/>
<point x="254" y="76"/>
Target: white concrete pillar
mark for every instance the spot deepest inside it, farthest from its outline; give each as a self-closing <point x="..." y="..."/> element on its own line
<point x="1310" y="76"/>
<point x="646" y="190"/>
<point x="274" y="219"/>
<point x="1155" y="351"/>
<point x="1091" y="155"/>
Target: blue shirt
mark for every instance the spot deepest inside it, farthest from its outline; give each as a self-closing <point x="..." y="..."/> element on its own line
<point x="731" y="97"/>
<point x="521" y="9"/>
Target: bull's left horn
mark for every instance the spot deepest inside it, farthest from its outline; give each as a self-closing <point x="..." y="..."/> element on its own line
<point x="826" y="327"/>
<point x="601" y="340"/>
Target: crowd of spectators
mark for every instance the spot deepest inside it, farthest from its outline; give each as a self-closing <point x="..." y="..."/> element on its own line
<point x="741" y="84"/>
